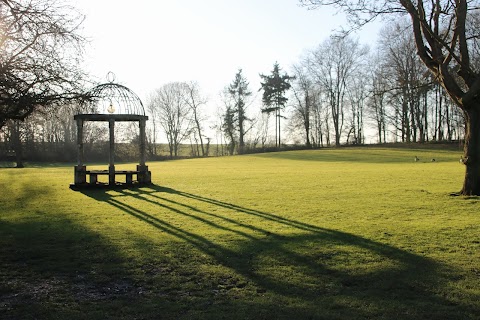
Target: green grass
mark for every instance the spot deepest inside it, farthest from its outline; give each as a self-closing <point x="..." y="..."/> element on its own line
<point x="357" y="233"/>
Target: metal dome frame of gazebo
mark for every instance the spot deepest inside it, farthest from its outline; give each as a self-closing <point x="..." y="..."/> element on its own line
<point x="114" y="102"/>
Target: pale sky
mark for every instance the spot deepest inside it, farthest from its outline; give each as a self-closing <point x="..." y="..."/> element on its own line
<point x="148" y="43"/>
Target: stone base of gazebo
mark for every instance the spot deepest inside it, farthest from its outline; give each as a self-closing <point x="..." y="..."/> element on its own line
<point x="89" y="178"/>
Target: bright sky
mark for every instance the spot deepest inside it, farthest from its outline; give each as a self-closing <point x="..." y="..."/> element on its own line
<point x="148" y="43"/>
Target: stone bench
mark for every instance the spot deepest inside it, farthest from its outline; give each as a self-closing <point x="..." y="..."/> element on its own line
<point x="95" y="173"/>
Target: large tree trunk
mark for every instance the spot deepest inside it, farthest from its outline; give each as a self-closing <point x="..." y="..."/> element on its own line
<point x="471" y="184"/>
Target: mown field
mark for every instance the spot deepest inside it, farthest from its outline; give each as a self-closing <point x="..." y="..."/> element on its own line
<point x="357" y="233"/>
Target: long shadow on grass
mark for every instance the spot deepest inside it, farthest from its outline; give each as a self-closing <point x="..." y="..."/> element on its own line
<point x="326" y="273"/>
<point x="53" y="268"/>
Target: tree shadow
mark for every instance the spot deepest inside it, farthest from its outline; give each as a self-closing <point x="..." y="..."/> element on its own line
<point x="333" y="273"/>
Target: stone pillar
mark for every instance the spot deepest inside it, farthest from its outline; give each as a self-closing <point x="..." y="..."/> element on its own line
<point x="111" y="166"/>
<point x="143" y="139"/>
<point x="80" y="175"/>
<point x="144" y="176"/>
<point x="80" y="142"/>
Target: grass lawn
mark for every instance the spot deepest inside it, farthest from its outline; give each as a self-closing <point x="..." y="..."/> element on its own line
<point x="357" y="233"/>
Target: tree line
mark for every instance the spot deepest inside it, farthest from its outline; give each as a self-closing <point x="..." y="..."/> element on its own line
<point x="334" y="94"/>
<point x="338" y="93"/>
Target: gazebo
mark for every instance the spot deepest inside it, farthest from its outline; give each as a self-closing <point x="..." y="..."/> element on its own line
<point x="114" y="103"/>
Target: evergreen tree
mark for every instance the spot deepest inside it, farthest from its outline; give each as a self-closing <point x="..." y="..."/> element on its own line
<point x="229" y="123"/>
<point x="236" y="114"/>
<point x="274" y="87"/>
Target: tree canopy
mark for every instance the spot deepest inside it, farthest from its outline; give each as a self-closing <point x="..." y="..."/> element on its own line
<point x="40" y="53"/>
<point x="274" y="87"/>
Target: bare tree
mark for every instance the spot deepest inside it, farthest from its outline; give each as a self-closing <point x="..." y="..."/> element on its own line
<point x="357" y="94"/>
<point x="321" y="120"/>
<point x="218" y="127"/>
<point x="303" y="91"/>
<point x="152" y="110"/>
<point x="40" y="51"/>
<point x="174" y="115"/>
<point x="447" y="46"/>
<point x="409" y="80"/>
<point x="332" y="66"/>
<point x="377" y="100"/>
<point x="195" y="101"/>
<point x="48" y="134"/>
<point x="446" y="117"/>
